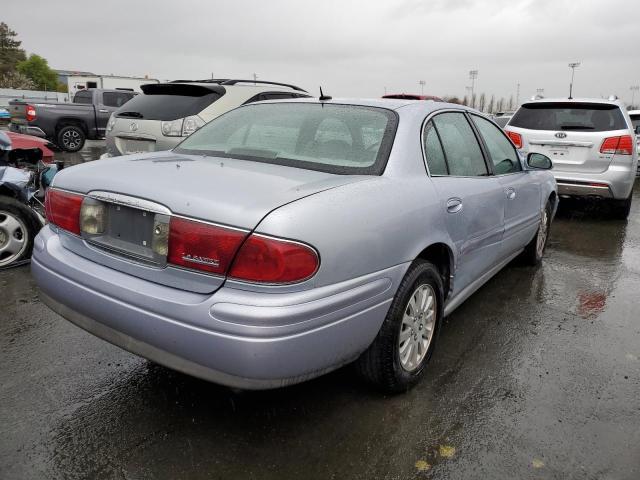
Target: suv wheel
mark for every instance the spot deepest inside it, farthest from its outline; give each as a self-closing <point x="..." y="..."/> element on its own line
<point x="396" y="359"/>
<point x="71" y="138"/>
<point x="620" y="208"/>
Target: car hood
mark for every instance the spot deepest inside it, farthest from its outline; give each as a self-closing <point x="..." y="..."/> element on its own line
<point x="222" y="190"/>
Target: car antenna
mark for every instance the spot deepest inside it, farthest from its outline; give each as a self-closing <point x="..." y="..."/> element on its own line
<point x="324" y="97"/>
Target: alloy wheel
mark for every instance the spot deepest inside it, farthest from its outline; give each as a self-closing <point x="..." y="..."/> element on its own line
<point x="13" y="238"/>
<point x="417" y="327"/>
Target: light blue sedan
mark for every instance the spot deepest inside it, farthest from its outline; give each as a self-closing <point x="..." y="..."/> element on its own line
<point x="285" y="239"/>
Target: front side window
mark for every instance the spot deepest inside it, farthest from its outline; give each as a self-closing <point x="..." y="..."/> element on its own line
<point x="461" y="148"/>
<point x="342" y="139"/>
<point x="503" y="155"/>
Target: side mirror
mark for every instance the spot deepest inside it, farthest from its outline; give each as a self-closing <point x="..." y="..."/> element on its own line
<point x="539" y="161"/>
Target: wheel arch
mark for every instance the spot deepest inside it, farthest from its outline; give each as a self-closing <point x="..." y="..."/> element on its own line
<point x="441" y="255"/>
<point x="71" y="122"/>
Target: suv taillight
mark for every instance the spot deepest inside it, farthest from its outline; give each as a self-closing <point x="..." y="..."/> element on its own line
<point x="618" y="145"/>
<point x="516" y="138"/>
<point x="270" y="260"/>
<point x="63" y="209"/>
<point x="30" y="113"/>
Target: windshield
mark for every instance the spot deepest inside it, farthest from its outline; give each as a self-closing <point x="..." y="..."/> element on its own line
<point x="586" y="117"/>
<point x="342" y="139"/>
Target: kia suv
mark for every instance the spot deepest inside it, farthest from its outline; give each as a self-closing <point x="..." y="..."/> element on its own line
<point x="590" y="141"/>
<point x="169" y="112"/>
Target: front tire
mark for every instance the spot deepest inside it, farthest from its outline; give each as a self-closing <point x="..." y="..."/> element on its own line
<point x="18" y="228"/>
<point x="534" y="251"/>
<point x="71" y="138"/>
<point x="397" y="358"/>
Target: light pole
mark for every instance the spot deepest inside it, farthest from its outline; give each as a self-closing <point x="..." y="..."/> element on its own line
<point x="634" y="89"/>
<point x="473" y="74"/>
<point x="422" y="84"/>
<point x="572" y="66"/>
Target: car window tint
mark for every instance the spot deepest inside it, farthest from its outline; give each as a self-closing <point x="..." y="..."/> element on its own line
<point x="115" y="99"/>
<point x="433" y="151"/>
<point x="503" y="155"/>
<point x="332" y="140"/>
<point x="464" y="156"/>
<point x="83" y="97"/>
<point x="583" y="117"/>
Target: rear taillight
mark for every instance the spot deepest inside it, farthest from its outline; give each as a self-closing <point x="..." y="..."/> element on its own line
<point x="617" y="145"/>
<point x="63" y="209"/>
<point x="202" y="246"/>
<point x="269" y="260"/>
<point x="516" y="138"/>
<point x="30" y="113"/>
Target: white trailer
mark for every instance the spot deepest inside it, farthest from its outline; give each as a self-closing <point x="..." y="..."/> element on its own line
<point x="81" y="82"/>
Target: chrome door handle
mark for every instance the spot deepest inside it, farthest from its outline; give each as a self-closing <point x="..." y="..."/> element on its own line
<point x="511" y="193"/>
<point x="454" y="205"/>
<point x="103" y="111"/>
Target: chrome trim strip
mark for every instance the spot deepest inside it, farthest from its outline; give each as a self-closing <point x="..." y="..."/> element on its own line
<point x="129" y="201"/>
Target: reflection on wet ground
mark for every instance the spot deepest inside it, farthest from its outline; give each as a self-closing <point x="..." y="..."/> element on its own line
<point x="537" y="375"/>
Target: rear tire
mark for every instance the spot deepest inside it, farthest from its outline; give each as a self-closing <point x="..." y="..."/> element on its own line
<point x="71" y="138"/>
<point x="620" y="209"/>
<point x="534" y="251"/>
<point x="396" y="359"/>
<point x="18" y="228"/>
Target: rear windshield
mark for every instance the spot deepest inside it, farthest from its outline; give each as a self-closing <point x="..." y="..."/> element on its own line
<point x="635" y="120"/>
<point x="168" y="102"/>
<point x="585" y="117"/>
<point x="342" y="139"/>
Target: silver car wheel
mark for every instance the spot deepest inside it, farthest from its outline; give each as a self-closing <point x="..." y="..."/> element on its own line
<point x="71" y="139"/>
<point x="13" y="238"/>
<point x="418" y="325"/>
<point x="542" y="233"/>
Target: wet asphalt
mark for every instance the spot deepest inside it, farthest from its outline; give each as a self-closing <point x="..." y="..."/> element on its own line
<point x="537" y="375"/>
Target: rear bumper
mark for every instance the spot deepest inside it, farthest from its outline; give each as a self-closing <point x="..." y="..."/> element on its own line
<point x="616" y="182"/>
<point x="232" y="337"/>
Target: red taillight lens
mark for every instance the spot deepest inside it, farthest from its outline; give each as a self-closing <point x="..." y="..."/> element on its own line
<point x="269" y="260"/>
<point x="30" y="113"/>
<point x="516" y="138"/>
<point x="63" y="209"/>
<point x="202" y="246"/>
<point x="618" y="145"/>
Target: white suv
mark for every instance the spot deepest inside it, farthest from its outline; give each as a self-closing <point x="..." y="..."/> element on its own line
<point x="169" y="112"/>
<point x="590" y="141"/>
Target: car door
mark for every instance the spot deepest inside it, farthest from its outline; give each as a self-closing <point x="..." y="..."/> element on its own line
<point x="470" y="198"/>
<point x="521" y="189"/>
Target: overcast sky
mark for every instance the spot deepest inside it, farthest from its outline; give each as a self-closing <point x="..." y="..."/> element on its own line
<point x="351" y="48"/>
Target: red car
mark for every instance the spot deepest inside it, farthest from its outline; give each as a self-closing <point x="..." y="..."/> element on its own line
<point x="28" y="142"/>
<point x="410" y="96"/>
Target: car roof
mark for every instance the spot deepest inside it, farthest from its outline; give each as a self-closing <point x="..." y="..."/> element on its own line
<point x="575" y="100"/>
<point x="226" y="82"/>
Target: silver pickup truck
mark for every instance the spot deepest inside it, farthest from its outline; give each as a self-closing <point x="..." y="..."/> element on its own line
<point x="68" y="125"/>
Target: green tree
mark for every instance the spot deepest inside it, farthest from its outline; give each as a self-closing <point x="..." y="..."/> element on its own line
<point x="38" y="70"/>
<point x="16" y="80"/>
<point x="10" y="52"/>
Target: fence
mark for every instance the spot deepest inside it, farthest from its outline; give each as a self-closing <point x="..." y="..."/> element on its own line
<point x="8" y="94"/>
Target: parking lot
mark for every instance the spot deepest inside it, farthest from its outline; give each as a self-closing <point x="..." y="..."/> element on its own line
<point x="537" y="375"/>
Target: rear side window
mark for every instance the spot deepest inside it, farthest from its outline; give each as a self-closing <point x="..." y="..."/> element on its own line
<point x="115" y="99"/>
<point x="461" y="148"/>
<point x="169" y="102"/>
<point x="83" y="97"/>
<point x="433" y="151"/>
<point x="583" y="117"/>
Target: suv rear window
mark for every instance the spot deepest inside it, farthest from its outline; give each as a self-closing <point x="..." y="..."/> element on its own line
<point x="584" y="117"/>
<point x="342" y="139"/>
<point x="169" y="101"/>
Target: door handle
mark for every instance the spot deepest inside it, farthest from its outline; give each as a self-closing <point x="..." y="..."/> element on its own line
<point x="454" y="205"/>
<point x="511" y="193"/>
<point x="102" y="110"/>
